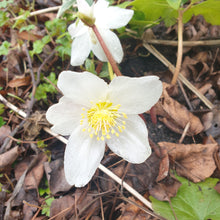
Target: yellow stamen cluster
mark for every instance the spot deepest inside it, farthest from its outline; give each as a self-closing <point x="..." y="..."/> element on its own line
<point x="103" y="120"/>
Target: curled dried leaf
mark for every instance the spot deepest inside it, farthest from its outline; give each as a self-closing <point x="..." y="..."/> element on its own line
<point x="177" y="116"/>
<point x="194" y="161"/>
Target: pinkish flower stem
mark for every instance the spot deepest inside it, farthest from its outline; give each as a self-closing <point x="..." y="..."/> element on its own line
<point x="106" y="50"/>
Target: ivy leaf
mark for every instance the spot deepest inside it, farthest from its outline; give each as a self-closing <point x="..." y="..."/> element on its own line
<point x="175" y="4"/>
<point x="193" y="201"/>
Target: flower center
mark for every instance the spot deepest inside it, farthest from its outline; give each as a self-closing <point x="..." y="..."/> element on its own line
<point x="104" y="120"/>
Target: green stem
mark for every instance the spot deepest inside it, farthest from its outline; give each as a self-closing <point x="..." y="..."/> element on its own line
<point x="106" y="50"/>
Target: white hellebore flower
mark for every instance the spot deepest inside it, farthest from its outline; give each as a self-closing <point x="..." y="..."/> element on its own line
<point x="105" y="18"/>
<point x="95" y="113"/>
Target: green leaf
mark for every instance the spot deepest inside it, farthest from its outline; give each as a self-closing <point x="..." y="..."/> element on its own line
<point x="44" y="88"/>
<point x="4" y="48"/>
<point x="154" y="10"/>
<point x="64" y="45"/>
<point x="90" y="66"/>
<point x="24" y="17"/>
<point x="5" y="3"/>
<point x="27" y="28"/>
<point x="3" y="18"/>
<point x="193" y="201"/>
<point x="46" y="208"/>
<point x="66" y="5"/>
<point x="2" y="108"/>
<point x="175" y="4"/>
<point x="2" y="122"/>
<point x="39" y="45"/>
<point x="56" y="27"/>
<point x="210" y="10"/>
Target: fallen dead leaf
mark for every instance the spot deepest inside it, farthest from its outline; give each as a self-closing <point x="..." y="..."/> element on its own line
<point x="25" y="35"/>
<point x="5" y="130"/>
<point x="194" y="161"/>
<point x="62" y="208"/>
<point x="84" y="203"/>
<point x="20" y="81"/>
<point x="33" y="125"/>
<point x="164" y="165"/>
<point x="176" y="116"/>
<point x="33" y="178"/>
<point x="211" y="122"/>
<point x="56" y="177"/>
<point x="166" y="189"/>
<point x="10" y="156"/>
<point x="130" y="211"/>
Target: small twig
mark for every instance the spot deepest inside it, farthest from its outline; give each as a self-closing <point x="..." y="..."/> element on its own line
<point x="29" y="142"/>
<point x="101" y="167"/>
<point x="184" y="94"/>
<point x="180" y="47"/>
<point x="42" y="65"/>
<point x="185" y="43"/>
<point x="184" y="132"/>
<point x="34" y="83"/>
<point x="183" y="79"/>
<point x="42" y="11"/>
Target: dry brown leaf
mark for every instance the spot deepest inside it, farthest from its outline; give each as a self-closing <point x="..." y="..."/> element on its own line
<point x="211" y="122"/>
<point x="56" y="177"/>
<point x="84" y="203"/>
<point x="177" y="115"/>
<point x="5" y="130"/>
<point x="33" y="178"/>
<point x="20" y="81"/>
<point x="33" y="125"/>
<point x="27" y="35"/>
<point x="10" y="156"/>
<point x="166" y="189"/>
<point x="131" y="211"/>
<point x="164" y="165"/>
<point x="194" y="161"/>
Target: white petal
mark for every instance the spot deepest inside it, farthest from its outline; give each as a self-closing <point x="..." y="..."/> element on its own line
<point x="132" y="144"/>
<point x="80" y="50"/>
<point x="65" y="116"/>
<point x="120" y="18"/>
<point x="135" y="95"/>
<point x="100" y="5"/>
<point x="113" y="44"/>
<point x="82" y="157"/>
<point x="83" y="7"/>
<point x="82" y="88"/>
<point x="77" y="29"/>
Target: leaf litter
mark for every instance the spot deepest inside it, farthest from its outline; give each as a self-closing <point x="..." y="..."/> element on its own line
<point x="176" y="139"/>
